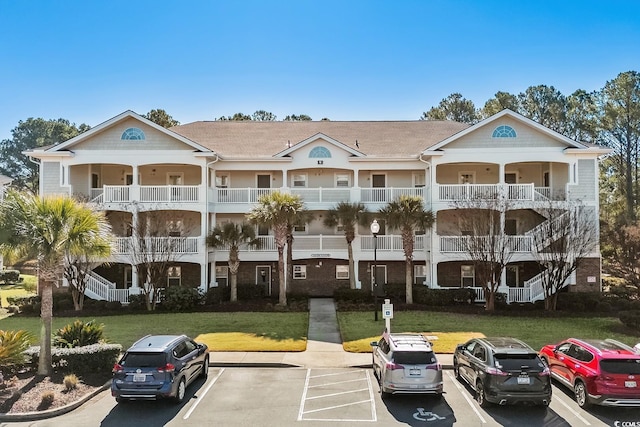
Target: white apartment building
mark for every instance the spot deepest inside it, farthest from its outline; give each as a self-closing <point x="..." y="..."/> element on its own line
<point x="191" y="177"/>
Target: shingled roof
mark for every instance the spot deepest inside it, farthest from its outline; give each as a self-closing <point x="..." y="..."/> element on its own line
<point x="252" y="139"/>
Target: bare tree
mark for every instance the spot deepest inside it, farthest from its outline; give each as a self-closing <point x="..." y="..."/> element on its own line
<point x="487" y="244"/>
<point x="561" y="243"/>
<point x="157" y="243"/>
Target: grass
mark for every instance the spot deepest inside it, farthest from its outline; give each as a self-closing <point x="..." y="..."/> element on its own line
<point x="274" y="331"/>
<point x="25" y="288"/>
<point x="358" y="330"/>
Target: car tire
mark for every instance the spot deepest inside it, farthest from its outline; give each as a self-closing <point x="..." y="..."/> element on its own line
<point x="205" y="368"/>
<point x="121" y="400"/>
<point x="481" y="396"/>
<point x="181" y="391"/>
<point x="581" y="395"/>
<point x="456" y="370"/>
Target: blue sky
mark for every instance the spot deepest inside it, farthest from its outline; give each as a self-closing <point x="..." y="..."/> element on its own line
<point x="87" y="61"/>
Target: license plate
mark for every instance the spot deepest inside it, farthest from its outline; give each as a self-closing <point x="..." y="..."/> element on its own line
<point x="139" y="378"/>
<point x="524" y="380"/>
<point x="414" y="372"/>
<point x="630" y="384"/>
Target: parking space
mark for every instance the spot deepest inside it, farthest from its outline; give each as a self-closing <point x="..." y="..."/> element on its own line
<point x="323" y="397"/>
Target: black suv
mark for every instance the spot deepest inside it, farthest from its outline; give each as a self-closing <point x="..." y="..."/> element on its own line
<point x="503" y="371"/>
<point x="159" y="366"/>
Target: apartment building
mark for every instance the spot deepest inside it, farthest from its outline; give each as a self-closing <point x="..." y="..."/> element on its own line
<point x="184" y="180"/>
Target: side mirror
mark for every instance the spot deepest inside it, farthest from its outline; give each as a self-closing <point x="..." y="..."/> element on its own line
<point x="374" y="343"/>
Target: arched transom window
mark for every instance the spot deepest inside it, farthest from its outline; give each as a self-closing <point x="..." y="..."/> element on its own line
<point x="504" y="132"/>
<point x="320" y="152"/>
<point x="132" y="134"/>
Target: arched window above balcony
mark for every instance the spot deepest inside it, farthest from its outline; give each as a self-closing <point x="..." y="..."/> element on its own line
<point x="320" y="153"/>
<point x="133" y="134"/>
<point x="504" y="131"/>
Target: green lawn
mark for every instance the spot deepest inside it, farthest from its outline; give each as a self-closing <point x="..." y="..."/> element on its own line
<point x="288" y="331"/>
<point x="535" y="331"/>
<point x="125" y="329"/>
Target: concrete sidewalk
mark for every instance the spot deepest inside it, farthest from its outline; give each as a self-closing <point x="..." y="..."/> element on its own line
<point x="324" y="347"/>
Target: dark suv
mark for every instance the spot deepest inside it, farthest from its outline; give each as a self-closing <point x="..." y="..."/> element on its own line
<point x="158" y="366"/>
<point x="503" y="370"/>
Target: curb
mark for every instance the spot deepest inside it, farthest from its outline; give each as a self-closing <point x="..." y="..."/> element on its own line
<point x="40" y="415"/>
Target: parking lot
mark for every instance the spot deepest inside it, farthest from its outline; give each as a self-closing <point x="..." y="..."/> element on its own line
<point x="322" y="397"/>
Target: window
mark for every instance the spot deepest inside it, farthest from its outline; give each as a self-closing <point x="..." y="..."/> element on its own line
<point x="418" y="180"/>
<point x="174" y="276"/>
<point x="504" y="132"/>
<point x="222" y="181"/>
<point x="342" y="272"/>
<point x="300" y="180"/>
<point x="299" y="271"/>
<point x="222" y="275"/>
<point x="342" y="180"/>
<point x="468" y="276"/>
<point x="300" y="228"/>
<point x="419" y="274"/>
<point x="175" y="227"/>
<point x="132" y="134"/>
<point x="320" y="152"/>
<point x="467" y="178"/>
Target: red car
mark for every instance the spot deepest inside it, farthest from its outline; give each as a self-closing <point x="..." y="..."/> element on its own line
<point x="602" y="372"/>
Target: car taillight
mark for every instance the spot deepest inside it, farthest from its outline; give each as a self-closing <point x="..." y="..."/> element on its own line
<point x="496" y="371"/>
<point x="167" y="368"/>
<point x="605" y="377"/>
<point x="117" y="368"/>
<point x="545" y="372"/>
<point x="436" y="367"/>
<point x="392" y="366"/>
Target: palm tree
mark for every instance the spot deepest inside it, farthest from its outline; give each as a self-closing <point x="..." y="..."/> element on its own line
<point x="231" y="235"/>
<point x="349" y="215"/>
<point x="408" y="214"/>
<point x="48" y="228"/>
<point x="278" y="211"/>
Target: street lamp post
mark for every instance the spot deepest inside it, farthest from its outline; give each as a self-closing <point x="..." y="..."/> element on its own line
<point x="375" y="229"/>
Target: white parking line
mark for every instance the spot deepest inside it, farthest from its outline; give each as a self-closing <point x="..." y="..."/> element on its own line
<point x="303" y="414"/>
<point x="459" y="387"/>
<point x="566" y="405"/>
<point x="201" y="396"/>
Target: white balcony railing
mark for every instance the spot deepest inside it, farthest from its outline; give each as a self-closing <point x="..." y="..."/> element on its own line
<point x="461" y="243"/>
<point x="459" y="192"/>
<point x="390" y="243"/>
<point x="323" y="195"/>
<point x="388" y="194"/>
<point x="146" y="193"/>
<point x="178" y="245"/>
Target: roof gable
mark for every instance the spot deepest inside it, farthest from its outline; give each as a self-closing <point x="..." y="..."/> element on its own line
<point x="319" y="136"/>
<point x="130" y="118"/>
<point x="509" y="119"/>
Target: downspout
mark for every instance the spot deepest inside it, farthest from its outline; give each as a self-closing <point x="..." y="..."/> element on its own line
<point x="428" y="254"/>
<point x="206" y="227"/>
<point x="39" y="171"/>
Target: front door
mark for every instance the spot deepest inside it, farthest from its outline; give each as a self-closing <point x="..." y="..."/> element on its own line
<point x="263" y="277"/>
<point x="378" y="182"/>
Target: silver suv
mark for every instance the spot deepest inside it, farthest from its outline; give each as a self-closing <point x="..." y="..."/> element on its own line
<point x="406" y="364"/>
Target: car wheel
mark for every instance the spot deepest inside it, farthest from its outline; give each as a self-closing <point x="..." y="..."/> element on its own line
<point x="580" y="391"/>
<point x="481" y="396"/>
<point x="205" y="368"/>
<point x="456" y="370"/>
<point x="121" y="400"/>
<point x="181" y="391"/>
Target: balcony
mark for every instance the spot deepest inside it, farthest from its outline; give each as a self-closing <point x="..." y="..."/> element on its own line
<point x="177" y="245"/>
<point x="514" y="192"/>
<point x="459" y="244"/>
<point x="146" y="194"/>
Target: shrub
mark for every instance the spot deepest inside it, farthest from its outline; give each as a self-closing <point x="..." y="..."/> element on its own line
<point x="630" y="318"/>
<point x="137" y="302"/>
<point x="10" y="277"/>
<point x="80" y="360"/>
<point x="217" y="295"/>
<point x="12" y="347"/>
<point x="70" y="382"/>
<point x="179" y="298"/>
<point x="78" y="334"/>
<point x="113" y="305"/>
<point x="355" y="296"/>
<point x="249" y="292"/>
<point x="443" y="297"/>
<point x="46" y="399"/>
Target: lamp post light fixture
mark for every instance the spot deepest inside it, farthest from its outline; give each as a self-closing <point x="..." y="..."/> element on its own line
<point x="375" y="229"/>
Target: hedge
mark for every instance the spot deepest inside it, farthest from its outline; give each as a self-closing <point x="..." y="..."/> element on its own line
<point x="80" y="360"/>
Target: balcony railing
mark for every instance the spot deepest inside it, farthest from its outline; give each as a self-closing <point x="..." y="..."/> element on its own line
<point x="323" y="195"/>
<point x="460" y="192"/>
<point x="388" y="194"/>
<point x="461" y="243"/>
<point x="390" y="243"/>
<point x="146" y="193"/>
<point x="177" y="245"/>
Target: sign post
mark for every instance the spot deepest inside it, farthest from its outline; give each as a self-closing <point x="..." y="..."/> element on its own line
<point x="387" y="314"/>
